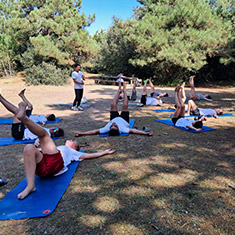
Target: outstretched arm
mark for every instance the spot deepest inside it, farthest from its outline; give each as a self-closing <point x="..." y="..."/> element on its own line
<point x="96" y="155"/>
<point x="92" y="132"/>
<point x="138" y="132"/>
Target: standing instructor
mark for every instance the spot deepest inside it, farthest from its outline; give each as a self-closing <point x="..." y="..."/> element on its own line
<point x="78" y="79"/>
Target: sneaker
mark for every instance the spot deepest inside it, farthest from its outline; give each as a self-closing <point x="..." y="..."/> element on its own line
<point x="2" y="182"/>
<point x="145" y="81"/>
<point x="146" y="129"/>
<point x="140" y="105"/>
<point x="79" y="108"/>
<point x="74" y="108"/>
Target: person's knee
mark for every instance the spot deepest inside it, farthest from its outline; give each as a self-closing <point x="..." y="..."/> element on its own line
<point x="113" y="106"/>
<point x="29" y="149"/>
<point x="125" y="107"/>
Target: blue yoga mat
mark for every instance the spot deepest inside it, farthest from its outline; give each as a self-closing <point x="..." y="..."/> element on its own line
<point x="12" y="141"/>
<point x="40" y="203"/>
<point x="131" y="124"/>
<point x="164" y="110"/>
<point x="223" y="115"/>
<point x="7" y="121"/>
<point x="170" y="123"/>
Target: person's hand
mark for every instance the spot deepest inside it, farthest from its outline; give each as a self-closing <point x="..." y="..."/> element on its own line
<point x="37" y="143"/>
<point x="77" y="134"/>
<point x="109" y="151"/>
<point x="203" y="118"/>
<point x="150" y="133"/>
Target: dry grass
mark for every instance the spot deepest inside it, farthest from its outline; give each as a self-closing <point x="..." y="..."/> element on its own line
<point x="175" y="182"/>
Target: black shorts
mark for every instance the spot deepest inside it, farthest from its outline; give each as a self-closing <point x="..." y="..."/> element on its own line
<point x="124" y="115"/>
<point x="17" y="129"/>
<point x="174" y="120"/>
<point x="143" y="99"/>
<point x="196" y="112"/>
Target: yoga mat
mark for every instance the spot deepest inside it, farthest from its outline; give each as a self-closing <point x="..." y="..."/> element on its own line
<point x="130" y="103"/>
<point x="170" y="123"/>
<point x="223" y="115"/>
<point x="164" y="110"/>
<point x="40" y="203"/>
<point x="10" y="121"/>
<point x="131" y="124"/>
<point x="12" y="141"/>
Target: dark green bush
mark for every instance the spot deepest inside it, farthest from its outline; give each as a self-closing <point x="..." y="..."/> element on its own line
<point x="47" y="74"/>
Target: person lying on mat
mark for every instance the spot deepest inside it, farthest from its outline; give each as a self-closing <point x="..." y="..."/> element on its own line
<point x="194" y="110"/>
<point x="119" y="124"/>
<point x="178" y="118"/>
<point x="36" y="118"/>
<point x="18" y="129"/>
<point x="197" y="96"/>
<point x="145" y="99"/>
<point x="155" y="94"/>
<point x="51" y="160"/>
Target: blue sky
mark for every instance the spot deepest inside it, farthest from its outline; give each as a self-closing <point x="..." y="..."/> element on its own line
<point x="105" y="10"/>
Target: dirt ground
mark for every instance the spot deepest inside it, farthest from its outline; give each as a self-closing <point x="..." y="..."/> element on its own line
<point x="174" y="182"/>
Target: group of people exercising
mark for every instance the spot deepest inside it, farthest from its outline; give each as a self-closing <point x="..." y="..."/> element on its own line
<point x="50" y="160"/>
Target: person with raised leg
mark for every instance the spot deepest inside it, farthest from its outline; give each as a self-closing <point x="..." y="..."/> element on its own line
<point x="51" y="160"/>
<point x="119" y="123"/>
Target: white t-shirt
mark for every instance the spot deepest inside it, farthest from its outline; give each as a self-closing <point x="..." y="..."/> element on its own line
<point x="68" y="155"/>
<point x="184" y="122"/>
<point x="200" y="96"/>
<point x="28" y="135"/>
<point x="153" y="101"/>
<point x="123" y="126"/>
<point x="207" y="112"/>
<point x="38" y="118"/>
<point x="78" y="77"/>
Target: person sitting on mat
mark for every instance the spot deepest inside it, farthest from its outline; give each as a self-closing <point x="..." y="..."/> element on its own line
<point x="194" y="110"/>
<point x="178" y="118"/>
<point x="18" y="129"/>
<point x="51" y="160"/>
<point x="118" y="123"/>
<point x="197" y="96"/>
<point x="145" y="99"/>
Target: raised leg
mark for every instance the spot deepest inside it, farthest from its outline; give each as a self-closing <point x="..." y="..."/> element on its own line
<point x="10" y="107"/>
<point x="145" y="89"/>
<point x="193" y="94"/>
<point x="125" y="99"/>
<point x="21" y="94"/>
<point x="191" y="106"/>
<point x="47" y="144"/>
<point x="151" y="86"/>
<point x="180" y="109"/>
<point x="183" y="92"/>
<point x="113" y="106"/>
<point x="32" y="156"/>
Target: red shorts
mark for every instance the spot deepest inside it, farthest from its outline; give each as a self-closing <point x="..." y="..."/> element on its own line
<point x="50" y="165"/>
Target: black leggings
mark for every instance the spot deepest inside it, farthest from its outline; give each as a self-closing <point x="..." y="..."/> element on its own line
<point x="78" y="97"/>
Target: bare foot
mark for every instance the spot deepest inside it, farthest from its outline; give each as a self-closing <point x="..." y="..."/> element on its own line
<point x="22" y="93"/>
<point x="25" y="193"/>
<point x="22" y="108"/>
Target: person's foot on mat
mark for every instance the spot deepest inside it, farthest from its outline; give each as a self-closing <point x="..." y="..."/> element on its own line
<point x="25" y="193"/>
<point x="2" y="182"/>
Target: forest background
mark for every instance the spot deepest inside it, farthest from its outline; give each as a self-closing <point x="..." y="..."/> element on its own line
<point x="168" y="38"/>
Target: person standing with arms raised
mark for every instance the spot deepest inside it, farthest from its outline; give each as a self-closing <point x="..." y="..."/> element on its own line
<point x="78" y="79"/>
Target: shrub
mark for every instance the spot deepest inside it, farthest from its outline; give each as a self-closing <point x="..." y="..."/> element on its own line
<point x="47" y="74"/>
